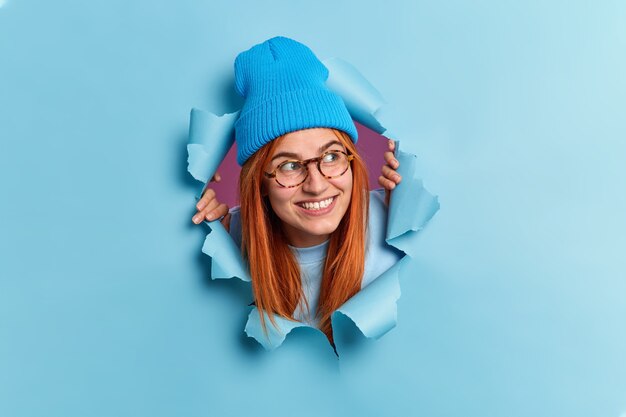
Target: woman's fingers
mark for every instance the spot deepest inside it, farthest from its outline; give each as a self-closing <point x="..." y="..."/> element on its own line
<point x="387" y="184"/>
<point x="198" y="217"/>
<point x="220" y="211"/>
<point x="389" y="178"/>
<point x="208" y="195"/>
<point x="389" y="156"/>
<point x="391" y="160"/>
<point x="214" y="210"/>
<point x="391" y="174"/>
<point x="209" y="208"/>
<point x="211" y="205"/>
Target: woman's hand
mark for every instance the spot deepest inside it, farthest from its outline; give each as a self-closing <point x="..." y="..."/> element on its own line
<point x="390" y="178"/>
<point x="209" y="208"/>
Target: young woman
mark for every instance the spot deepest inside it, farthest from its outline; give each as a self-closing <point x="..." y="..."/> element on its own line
<point x="306" y="225"/>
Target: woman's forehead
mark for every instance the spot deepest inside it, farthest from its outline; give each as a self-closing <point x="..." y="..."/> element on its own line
<point x="305" y="142"/>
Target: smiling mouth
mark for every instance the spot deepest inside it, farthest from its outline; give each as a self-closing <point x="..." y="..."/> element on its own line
<point x="317" y="205"/>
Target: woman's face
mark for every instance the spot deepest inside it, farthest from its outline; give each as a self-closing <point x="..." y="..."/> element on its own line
<point x="305" y="221"/>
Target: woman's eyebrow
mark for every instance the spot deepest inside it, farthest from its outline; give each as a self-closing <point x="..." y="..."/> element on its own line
<point x="286" y="154"/>
<point x="297" y="156"/>
<point x="329" y="144"/>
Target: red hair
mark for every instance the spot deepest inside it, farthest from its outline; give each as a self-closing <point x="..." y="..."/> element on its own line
<point x="275" y="273"/>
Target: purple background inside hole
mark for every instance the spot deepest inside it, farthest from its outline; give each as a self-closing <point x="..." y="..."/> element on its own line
<point x="371" y="146"/>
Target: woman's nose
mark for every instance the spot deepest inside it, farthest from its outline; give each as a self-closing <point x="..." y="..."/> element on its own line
<point x="315" y="182"/>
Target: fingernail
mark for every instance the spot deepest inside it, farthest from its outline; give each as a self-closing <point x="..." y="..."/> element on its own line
<point x="196" y="219"/>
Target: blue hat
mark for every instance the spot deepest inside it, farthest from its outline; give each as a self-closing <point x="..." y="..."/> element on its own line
<point x="284" y="86"/>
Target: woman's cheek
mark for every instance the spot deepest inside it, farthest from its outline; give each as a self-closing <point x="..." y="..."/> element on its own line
<point x="280" y="200"/>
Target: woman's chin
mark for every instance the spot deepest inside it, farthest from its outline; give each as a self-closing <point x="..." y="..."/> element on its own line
<point x="305" y="236"/>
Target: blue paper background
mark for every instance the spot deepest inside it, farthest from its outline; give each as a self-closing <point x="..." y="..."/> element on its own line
<point x="515" y="305"/>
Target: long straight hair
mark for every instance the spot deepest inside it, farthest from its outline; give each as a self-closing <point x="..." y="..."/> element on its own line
<point x="275" y="273"/>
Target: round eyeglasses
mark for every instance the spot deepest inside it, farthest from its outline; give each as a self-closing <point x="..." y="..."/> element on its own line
<point x="330" y="164"/>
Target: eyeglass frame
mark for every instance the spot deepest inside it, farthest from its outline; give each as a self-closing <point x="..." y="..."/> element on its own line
<point x="305" y="163"/>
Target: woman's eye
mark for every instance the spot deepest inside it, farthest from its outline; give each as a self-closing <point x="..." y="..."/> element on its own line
<point x="330" y="157"/>
<point x="290" y="166"/>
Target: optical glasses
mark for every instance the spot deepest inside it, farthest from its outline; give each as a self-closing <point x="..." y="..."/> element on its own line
<point x="292" y="173"/>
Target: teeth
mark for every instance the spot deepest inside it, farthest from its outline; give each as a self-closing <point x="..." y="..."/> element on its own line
<point x="318" y="204"/>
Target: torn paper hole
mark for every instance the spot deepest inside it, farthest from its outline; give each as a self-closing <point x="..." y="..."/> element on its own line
<point x="373" y="310"/>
